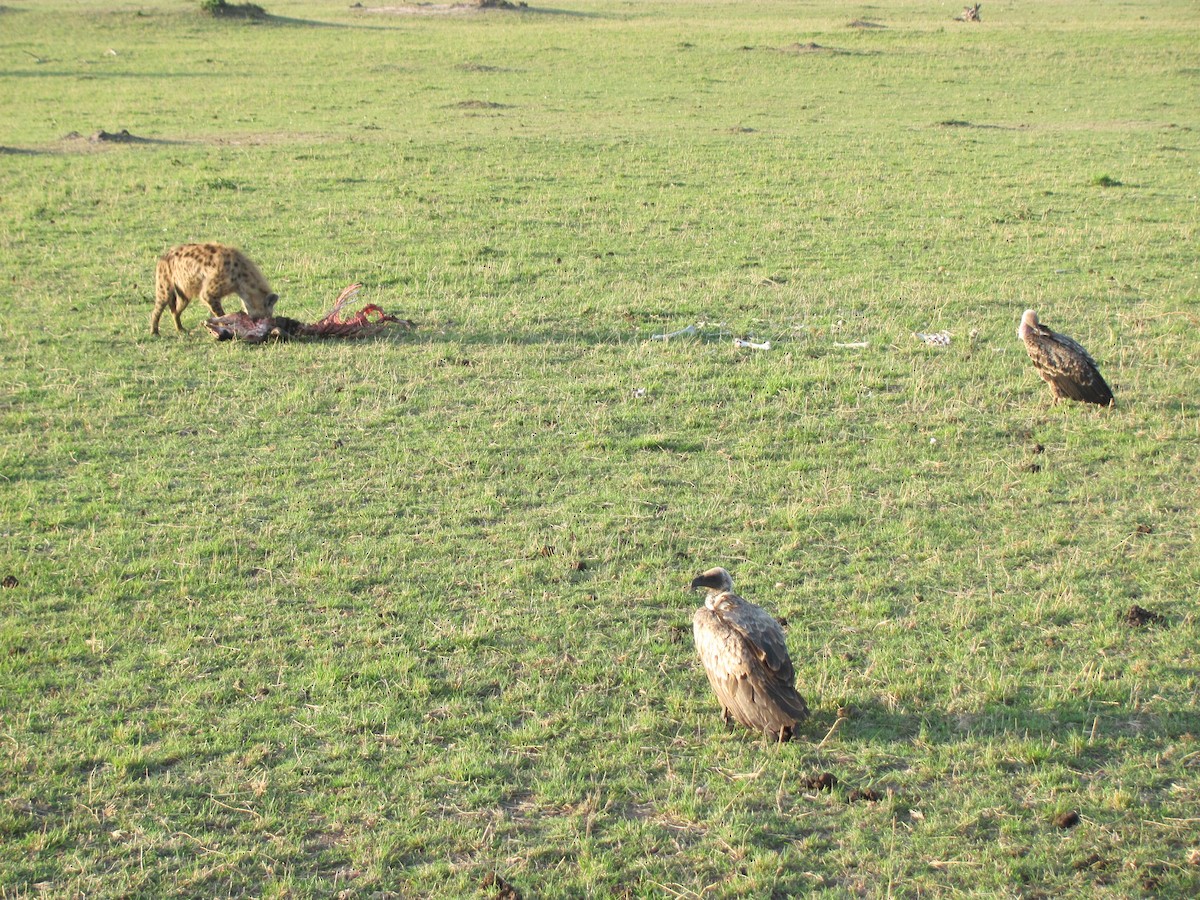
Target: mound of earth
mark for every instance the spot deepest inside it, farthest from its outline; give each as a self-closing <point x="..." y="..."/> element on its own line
<point x="1139" y="617"/>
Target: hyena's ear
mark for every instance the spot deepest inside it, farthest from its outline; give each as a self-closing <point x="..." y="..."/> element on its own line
<point x="272" y="299"/>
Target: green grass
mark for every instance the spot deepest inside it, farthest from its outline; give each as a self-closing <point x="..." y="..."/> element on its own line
<point x="379" y="619"/>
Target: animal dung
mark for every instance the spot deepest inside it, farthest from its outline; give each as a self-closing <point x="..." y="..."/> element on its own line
<point x="1067" y="819"/>
<point x="868" y="794"/>
<point x="826" y="781"/>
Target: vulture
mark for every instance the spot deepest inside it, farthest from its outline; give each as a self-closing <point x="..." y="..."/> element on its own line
<point x="746" y="659"/>
<point x="1063" y="363"/>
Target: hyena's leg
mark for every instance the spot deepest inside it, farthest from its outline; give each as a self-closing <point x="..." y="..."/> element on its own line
<point x="178" y="307"/>
<point x="166" y="298"/>
<point x="213" y="300"/>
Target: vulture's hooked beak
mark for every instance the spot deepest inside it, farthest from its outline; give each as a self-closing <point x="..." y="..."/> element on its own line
<point x="714" y="580"/>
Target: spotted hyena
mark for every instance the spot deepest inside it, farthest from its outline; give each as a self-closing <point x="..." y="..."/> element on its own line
<point x="209" y="272"/>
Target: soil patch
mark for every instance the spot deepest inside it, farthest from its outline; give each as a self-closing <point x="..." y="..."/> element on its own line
<point x="1138" y="617"/>
<point x="481" y="67"/>
<point x="443" y="9"/>
<point x="809" y="47"/>
<point x="503" y="890"/>
<point x="865" y="23"/>
<point x="479" y="104"/>
<point x="963" y="123"/>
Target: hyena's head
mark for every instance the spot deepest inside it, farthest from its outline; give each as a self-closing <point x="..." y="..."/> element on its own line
<point x="261" y="306"/>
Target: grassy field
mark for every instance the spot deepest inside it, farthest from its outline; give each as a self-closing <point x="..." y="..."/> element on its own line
<point x="383" y="619"/>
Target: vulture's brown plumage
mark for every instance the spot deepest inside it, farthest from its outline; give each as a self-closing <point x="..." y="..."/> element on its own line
<point x="1063" y="363"/>
<point x="746" y="659"/>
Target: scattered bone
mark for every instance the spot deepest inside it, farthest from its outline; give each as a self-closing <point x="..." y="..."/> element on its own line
<point x="853" y="345"/>
<point x="750" y="345"/>
<point x="682" y="332"/>
<point x="937" y="339"/>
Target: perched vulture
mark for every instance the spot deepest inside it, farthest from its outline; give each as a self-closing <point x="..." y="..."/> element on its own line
<point x="1063" y="363"/>
<point x="746" y="659"/>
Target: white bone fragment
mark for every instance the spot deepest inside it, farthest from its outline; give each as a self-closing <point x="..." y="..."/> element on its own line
<point x="854" y="345"/>
<point x="750" y="345"/>
<point x="682" y="332"/>
<point x="938" y="339"/>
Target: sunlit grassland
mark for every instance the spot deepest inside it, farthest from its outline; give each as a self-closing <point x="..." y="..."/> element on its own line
<point x="382" y="618"/>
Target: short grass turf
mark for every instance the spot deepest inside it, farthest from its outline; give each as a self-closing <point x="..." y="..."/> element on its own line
<point x="393" y="618"/>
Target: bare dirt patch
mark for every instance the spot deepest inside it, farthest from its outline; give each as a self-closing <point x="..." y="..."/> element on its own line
<point x="442" y="9"/>
<point x="1138" y="617"/>
<point x="809" y="47"/>
<point x="503" y="890"/>
<point x="963" y="123"/>
<point x="481" y="67"/>
<point x="479" y="104"/>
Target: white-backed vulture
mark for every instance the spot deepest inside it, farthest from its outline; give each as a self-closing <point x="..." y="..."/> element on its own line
<point x="1063" y="363"/>
<point x="746" y="659"/>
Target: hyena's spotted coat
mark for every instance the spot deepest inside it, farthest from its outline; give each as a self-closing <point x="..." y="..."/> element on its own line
<point x="208" y="272"/>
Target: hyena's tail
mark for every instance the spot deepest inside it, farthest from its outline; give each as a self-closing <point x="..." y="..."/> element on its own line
<point x="162" y="293"/>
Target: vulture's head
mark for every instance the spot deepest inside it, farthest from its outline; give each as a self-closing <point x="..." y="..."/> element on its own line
<point x="715" y="581"/>
<point x="1029" y="322"/>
